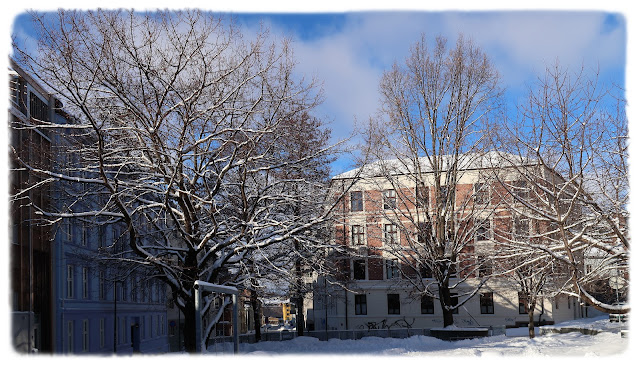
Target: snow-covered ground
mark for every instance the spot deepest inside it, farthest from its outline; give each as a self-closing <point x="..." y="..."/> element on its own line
<point x="514" y="343"/>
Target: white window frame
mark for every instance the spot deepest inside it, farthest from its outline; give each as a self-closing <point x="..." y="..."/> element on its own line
<point x="85" y="335"/>
<point x="85" y="282"/>
<point x="70" y="281"/>
<point x="389" y="199"/>
<point x="70" y="336"/>
<point x="391" y="236"/>
<point x="102" y="333"/>
<point x="102" y="294"/>
<point x="360" y="234"/>
<point x="361" y="200"/>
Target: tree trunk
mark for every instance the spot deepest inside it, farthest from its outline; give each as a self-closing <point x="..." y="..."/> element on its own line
<point x="299" y="294"/>
<point x="300" y="315"/>
<point x="445" y="302"/>
<point x="190" y="326"/>
<point x="530" y="309"/>
<point x="257" y="323"/>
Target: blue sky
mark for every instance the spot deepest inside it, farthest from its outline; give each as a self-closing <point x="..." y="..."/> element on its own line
<point x="348" y="51"/>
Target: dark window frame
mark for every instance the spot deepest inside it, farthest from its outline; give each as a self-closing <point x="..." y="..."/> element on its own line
<point x="427" y="305"/>
<point x="454" y="302"/>
<point x="393" y="304"/>
<point x="360" y="302"/>
<point x="359" y="269"/>
<point x="486" y="303"/>
<point x="357" y="202"/>
<point x="523" y="303"/>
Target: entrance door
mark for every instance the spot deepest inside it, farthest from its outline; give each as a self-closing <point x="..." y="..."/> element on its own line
<point x="135" y="337"/>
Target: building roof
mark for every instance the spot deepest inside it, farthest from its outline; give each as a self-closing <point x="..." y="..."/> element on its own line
<point x="468" y="161"/>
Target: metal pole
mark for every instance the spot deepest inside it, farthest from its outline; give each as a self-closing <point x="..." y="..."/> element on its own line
<point x="115" y="313"/>
<point x="198" y="318"/>
<point x="236" y="336"/>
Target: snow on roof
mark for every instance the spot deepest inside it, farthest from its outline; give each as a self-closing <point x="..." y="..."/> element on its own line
<point x="468" y="161"/>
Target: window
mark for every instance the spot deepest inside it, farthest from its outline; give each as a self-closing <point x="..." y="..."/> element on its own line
<point x="521" y="227"/>
<point x="393" y="303"/>
<point x="101" y="236"/>
<point x="520" y="190"/>
<point x="359" y="269"/>
<point x="390" y="234"/>
<point x="425" y="271"/>
<point x="445" y="195"/>
<point x="522" y="303"/>
<point x="485" y="267"/>
<point x="486" y="303"/>
<point x="481" y="193"/>
<point x="123" y="290"/>
<point x="133" y="286"/>
<point x="361" y="304"/>
<point x="157" y="325"/>
<point x="357" y="235"/>
<point x="38" y="109"/>
<point x="426" y="305"/>
<point x="392" y="268"/>
<point x="162" y="324"/>
<point x="424" y="232"/>
<point x="70" y="336"/>
<point x="85" y="282"/>
<point x="454" y="302"/>
<point x="422" y="196"/>
<point x="101" y="285"/>
<point x="84" y="234"/>
<point x="483" y="229"/>
<point x="102" y="335"/>
<point x="356" y="201"/>
<point x="389" y="197"/>
<point x="85" y="335"/>
<point x="69" y="281"/>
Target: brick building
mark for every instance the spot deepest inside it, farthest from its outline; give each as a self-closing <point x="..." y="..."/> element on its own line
<point x="381" y="282"/>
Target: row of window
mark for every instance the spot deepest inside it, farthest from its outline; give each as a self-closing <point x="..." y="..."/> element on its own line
<point x="147" y="330"/>
<point x="521" y="229"/>
<point x="482" y="195"/>
<point x="131" y="290"/>
<point x="426" y="304"/>
<point x="390" y="232"/>
<point x="484" y="268"/>
<point x="88" y="234"/>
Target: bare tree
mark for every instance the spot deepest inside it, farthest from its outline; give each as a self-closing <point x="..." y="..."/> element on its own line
<point x="184" y="121"/>
<point x="427" y="139"/>
<point x="568" y="149"/>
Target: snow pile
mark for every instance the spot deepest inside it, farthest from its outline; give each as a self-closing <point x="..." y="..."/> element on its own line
<point x="600" y="323"/>
<point x="569" y="344"/>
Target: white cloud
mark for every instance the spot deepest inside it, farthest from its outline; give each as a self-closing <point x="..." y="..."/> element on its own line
<point x="350" y="59"/>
